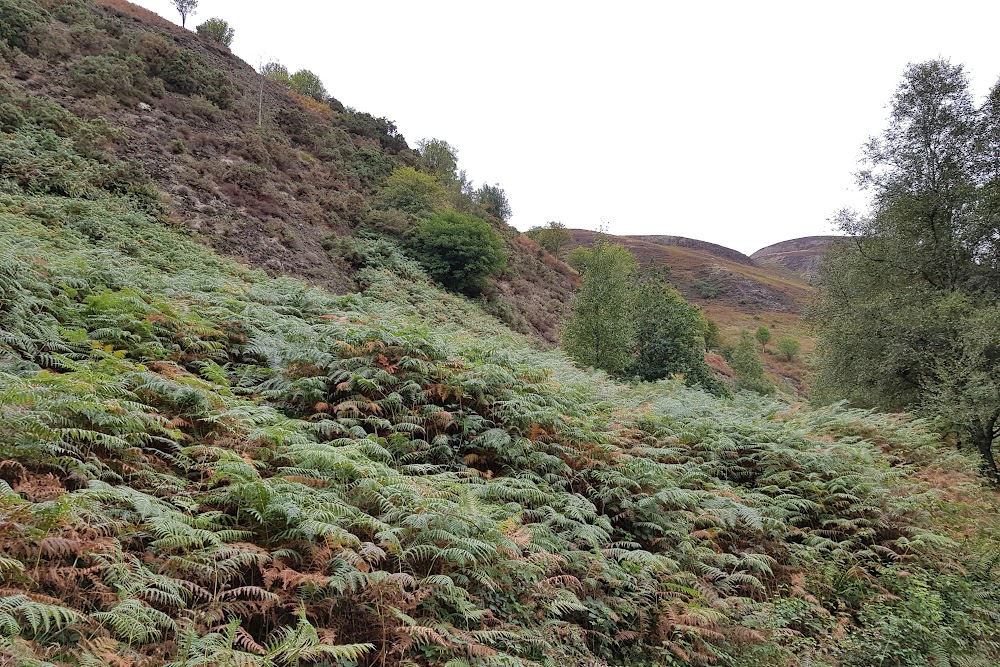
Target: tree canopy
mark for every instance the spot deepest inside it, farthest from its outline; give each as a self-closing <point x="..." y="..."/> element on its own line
<point x="307" y="83"/>
<point x="217" y="30"/>
<point x="185" y="8"/>
<point x="553" y="236"/>
<point x="911" y="300"/>
<point x="600" y="332"/>
<point x="460" y="251"/>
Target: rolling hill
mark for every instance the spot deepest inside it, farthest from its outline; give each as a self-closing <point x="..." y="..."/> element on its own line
<point x="800" y="256"/>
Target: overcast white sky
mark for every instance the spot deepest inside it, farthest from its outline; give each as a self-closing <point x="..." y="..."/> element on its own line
<point x="734" y="122"/>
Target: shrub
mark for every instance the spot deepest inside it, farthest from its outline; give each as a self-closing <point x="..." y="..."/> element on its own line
<point x="763" y="336"/>
<point x="17" y="19"/>
<point x="708" y="288"/>
<point x="668" y="337"/>
<point x="107" y="74"/>
<point x="382" y="130"/>
<point x="493" y="201"/>
<point x="391" y="223"/>
<point x="309" y="84"/>
<point x="553" y="236"/>
<point x="217" y="30"/>
<point x="187" y="73"/>
<point x="462" y="252"/>
<point x="749" y="369"/>
<point x="411" y="191"/>
<point x="788" y="348"/>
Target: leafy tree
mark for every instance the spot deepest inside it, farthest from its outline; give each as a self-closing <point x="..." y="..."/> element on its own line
<point x="710" y="332"/>
<point x="668" y="336"/>
<point x="413" y="192"/>
<point x="601" y="331"/>
<point x="553" y="236"/>
<point x="440" y="157"/>
<point x="749" y="369"/>
<point x="218" y="30"/>
<point x="275" y="71"/>
<point x="493" y="200"/>
<point x="309" y="84"/>
<point x="908" y="303"/>
<point x="460" y="251"/>
<point x="763" y="336"/>
<point x="788" y="348"/>
<point x="185" y="8"/>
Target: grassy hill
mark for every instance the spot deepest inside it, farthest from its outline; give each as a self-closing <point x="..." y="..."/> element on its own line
<point x="203" y="462"/>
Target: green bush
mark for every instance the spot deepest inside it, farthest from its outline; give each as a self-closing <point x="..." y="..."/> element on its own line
<point x="749" y="369"/>
<point x="668" y="337"/>
<point x="217" y="30"/>
<point x="763" y="336"/>
<point x="187" y="73"/>
<point x="788" y="348"/>
<point x="307" y="83"/>
<point x="462" y="252"/>
<point x="708" y="288"/>
<point x="553" y="236"/>
<point x="17" y="19"/>
<point x="413" y="192"/>
<point x="106" y="74"/>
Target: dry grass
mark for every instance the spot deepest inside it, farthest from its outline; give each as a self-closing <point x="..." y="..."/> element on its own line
<point x="140" y="13"/>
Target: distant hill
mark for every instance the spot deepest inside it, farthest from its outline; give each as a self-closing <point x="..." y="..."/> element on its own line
<point x="685" y="242"/>
<point x="800" y="256"/>
<point x="713" y="275"/>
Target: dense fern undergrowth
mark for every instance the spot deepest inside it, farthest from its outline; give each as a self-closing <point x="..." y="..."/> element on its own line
<point x="203" y="465"/>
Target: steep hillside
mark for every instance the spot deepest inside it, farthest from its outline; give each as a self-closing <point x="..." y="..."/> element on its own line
<point x="204" y="465"/>
<point x="799" y="256"/>
<point x="184" y="111"/>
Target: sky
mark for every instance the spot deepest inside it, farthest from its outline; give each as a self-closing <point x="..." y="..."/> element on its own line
<point x="739" y="123"/>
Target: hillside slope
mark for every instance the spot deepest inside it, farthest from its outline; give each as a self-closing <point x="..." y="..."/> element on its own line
<point x="801" y="256"/>
<point x="203" y="465"/>
<point x="184" y="111"/>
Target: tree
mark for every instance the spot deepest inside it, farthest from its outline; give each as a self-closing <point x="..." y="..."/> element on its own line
<point x="788" y="348"/>
<point x="460" y="251"/>
<point x="600" y="331"/>
<point x="909" y="306"/>
<point x="413" y="192"/>
<point x="217" y="30"/>
<point x="668" y="336"/>
<point x="749" y="369"/>
<point x="710" y="332"/>
<point x="275" y="71"/>
<point x="440" y="158"/>
<point x="309" y="84"/>
<point x="763" y="336"/>
<point x="494" y="202"/>
<point x="185" y="8"/>
<point x="553" y="236"/>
